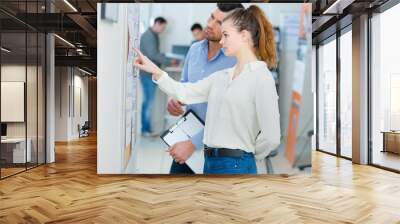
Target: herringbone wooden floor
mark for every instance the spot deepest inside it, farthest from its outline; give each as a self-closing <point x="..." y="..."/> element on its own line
<point x="70" y="191"/>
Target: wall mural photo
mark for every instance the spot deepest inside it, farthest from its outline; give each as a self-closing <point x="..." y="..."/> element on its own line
<point x="214" y="93"/>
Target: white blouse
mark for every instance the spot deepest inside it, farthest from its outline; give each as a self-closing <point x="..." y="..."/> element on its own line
<point x="237" y="109"/>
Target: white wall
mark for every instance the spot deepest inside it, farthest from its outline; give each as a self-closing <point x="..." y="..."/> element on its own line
<point x="109" y="92"/>
<point x="61" y="104"/>
<point x="66" y="81"/>
<point x="80" y="83"/>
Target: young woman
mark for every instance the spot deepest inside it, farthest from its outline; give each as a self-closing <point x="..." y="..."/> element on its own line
<point x="242" y="122"/>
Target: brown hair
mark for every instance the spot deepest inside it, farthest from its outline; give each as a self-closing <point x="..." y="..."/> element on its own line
<point x="253" y="20"/>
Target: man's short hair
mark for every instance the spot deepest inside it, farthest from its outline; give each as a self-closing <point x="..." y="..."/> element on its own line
<point x="160" y="20"/>
<point x="227" y="7"/>
<point x="196" y="26"/>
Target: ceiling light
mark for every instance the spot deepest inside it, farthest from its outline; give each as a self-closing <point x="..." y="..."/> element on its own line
<point x="70" y="5"/>
<point x="65" y="41"/>
<point x="84" y="71"/>
<point x="331" y="7"/>
<point x="5" y="50"/>
<point x="338" y="6"/>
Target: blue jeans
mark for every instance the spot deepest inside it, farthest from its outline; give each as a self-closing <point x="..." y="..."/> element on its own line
<point x="230" y="165"/>
<point x="149" y="89"/>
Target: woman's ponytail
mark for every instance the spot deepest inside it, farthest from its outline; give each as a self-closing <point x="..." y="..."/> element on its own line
<point x="254" y="20"/>
<point x="266" y="43"/>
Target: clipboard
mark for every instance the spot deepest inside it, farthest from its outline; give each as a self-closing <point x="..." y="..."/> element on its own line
<point x="184" y="129"/>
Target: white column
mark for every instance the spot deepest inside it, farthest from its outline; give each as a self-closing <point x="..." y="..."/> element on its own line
<point x="50" y="99"/>
<point x="360" y="90"/>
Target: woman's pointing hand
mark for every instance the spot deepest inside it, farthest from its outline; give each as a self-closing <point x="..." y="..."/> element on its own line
<point x="144" y="63"/>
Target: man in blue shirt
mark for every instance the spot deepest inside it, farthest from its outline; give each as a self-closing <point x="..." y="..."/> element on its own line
<point x="203" y="59"/>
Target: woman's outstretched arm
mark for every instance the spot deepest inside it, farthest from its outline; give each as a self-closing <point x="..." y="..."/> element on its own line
<point x="188" y="93"/>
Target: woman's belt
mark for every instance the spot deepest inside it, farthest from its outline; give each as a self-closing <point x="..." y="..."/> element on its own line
<point x="223" y="152"/>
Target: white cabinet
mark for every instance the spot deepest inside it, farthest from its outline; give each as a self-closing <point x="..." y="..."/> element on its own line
<point x="18" y="149"/>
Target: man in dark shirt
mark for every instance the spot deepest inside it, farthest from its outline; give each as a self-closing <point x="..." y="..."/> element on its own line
<point x="197" y="32"/>
<point x="150" y="46"/>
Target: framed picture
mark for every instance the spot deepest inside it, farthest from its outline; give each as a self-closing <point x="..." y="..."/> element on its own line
<point x="109" y="12"/>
